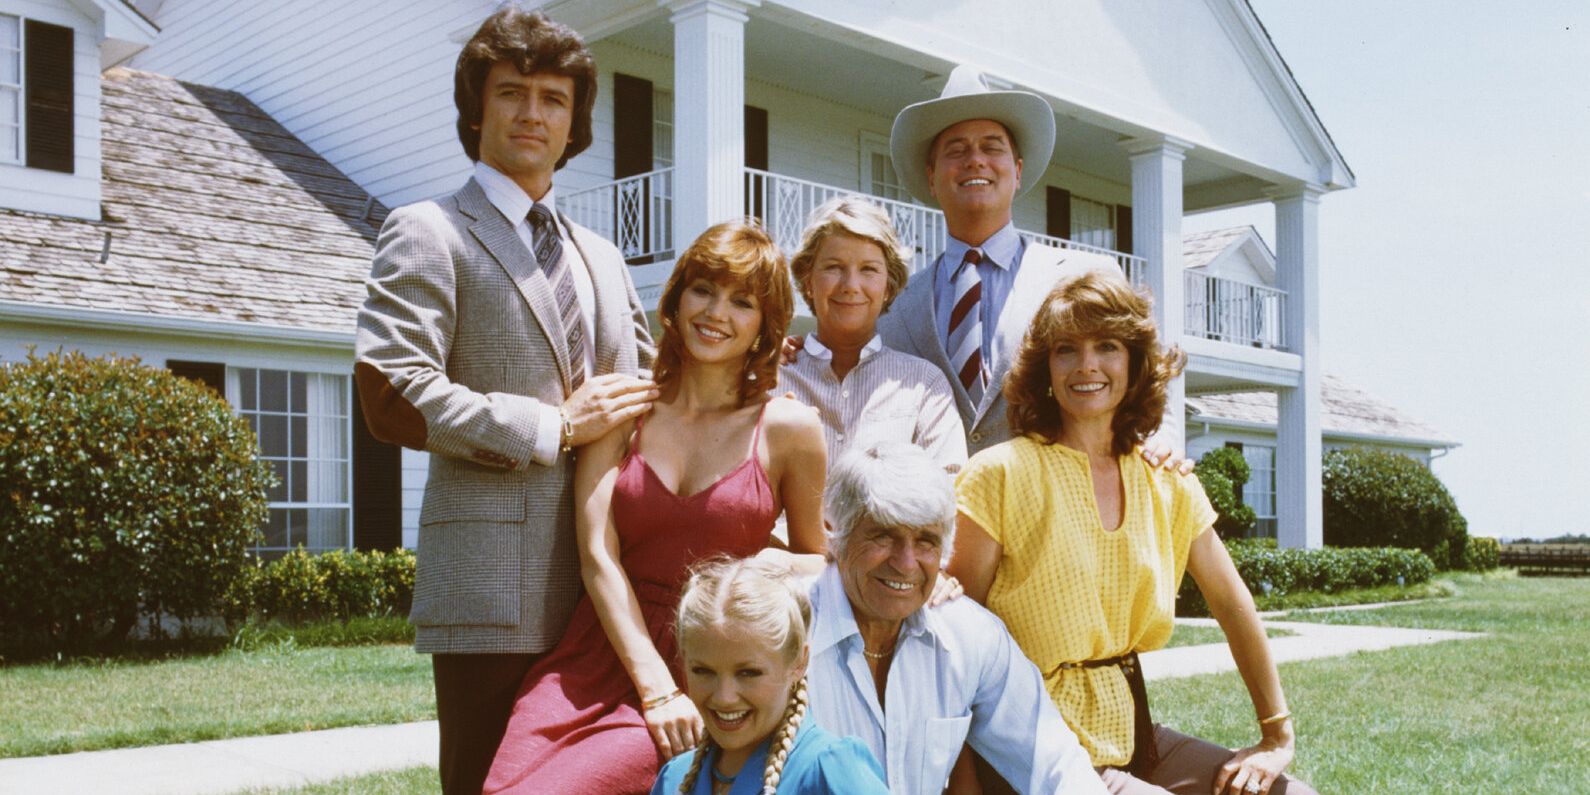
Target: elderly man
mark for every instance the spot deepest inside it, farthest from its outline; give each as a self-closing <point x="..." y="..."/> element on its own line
<point x="916" y="683"/>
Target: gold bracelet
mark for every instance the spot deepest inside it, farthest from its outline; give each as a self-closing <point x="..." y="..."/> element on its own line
<point x="653" y="703"/>
<point x="1276" y="718"/>
<point x="567" y="443"/>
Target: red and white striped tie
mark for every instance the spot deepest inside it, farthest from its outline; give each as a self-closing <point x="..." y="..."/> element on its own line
<point x="965" y="344"/>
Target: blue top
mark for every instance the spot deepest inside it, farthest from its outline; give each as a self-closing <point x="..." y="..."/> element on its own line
<point x="818" y="763"/>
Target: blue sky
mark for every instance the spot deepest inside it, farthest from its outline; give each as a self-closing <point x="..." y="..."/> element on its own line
<point x="1456" y="276"/>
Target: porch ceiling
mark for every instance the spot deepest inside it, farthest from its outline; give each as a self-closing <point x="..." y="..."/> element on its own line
<point x="808" y="56"/>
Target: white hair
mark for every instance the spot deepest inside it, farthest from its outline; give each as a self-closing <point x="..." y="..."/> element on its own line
<point x="895" y="484"/>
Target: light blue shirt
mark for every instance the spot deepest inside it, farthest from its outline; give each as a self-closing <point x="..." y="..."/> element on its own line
<point x="818" y="764"/>
<point x="957" y="677"/>
<point x="1001" y="257"/>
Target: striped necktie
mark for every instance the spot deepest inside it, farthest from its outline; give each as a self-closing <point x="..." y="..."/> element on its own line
<point x="549" y="254"/>
<point x="965" y="343"/>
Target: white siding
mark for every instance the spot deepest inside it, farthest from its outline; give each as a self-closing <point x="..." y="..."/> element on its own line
<point x="416" y="468"/>
<point x="75" y="195"/>
<point x="369" y="86"/>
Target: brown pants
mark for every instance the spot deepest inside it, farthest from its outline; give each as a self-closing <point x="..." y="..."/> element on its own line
<point x="1187" y="766"/>
<point x="474" y="696"/>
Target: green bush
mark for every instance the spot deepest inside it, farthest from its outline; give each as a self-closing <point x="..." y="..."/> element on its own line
<point x="300" y="587"/>
<point x="126" y="491"/>
<point x="1374" y="498"/>
<point x="1270" y="571"/>
<point x="1482" y="553"/>
<point x="1223" y="472"/>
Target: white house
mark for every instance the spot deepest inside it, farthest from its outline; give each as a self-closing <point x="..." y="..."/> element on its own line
<point x="1231" y="271"/>
<point x="190" y="230"/>
<point x="709" y="109"/>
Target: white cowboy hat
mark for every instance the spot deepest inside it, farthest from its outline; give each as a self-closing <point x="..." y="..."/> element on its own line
<point x="966" y="96"/>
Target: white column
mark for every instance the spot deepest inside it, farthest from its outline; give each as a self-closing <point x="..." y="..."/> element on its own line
<point x="1299" y="510"/>
<point x="709" y="113"/>
<point x="1156" y="237"/>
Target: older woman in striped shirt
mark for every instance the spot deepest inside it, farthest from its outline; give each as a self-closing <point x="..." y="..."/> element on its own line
<point x="850" y="267"/>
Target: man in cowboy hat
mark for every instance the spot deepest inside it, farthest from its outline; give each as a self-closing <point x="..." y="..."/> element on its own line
<point x="965" y="153"/>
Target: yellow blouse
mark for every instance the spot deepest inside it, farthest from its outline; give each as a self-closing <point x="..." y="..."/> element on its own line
<point x="1069" y="590"/>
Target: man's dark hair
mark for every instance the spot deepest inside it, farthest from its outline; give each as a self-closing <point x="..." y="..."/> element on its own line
<point x="532" y="43"/>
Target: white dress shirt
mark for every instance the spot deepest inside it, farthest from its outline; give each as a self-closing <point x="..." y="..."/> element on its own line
<point x="957" y="677"/>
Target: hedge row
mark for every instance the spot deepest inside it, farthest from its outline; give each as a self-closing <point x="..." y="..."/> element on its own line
<point x="1268" y="570"/>
<point x="300" y="587"/>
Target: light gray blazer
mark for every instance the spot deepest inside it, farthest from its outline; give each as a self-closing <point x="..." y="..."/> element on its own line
<point x="911" y="325"/>
<point x="457" y="350"/>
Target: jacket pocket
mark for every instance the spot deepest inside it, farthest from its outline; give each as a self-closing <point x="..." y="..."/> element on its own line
<point x="470" y="573"/>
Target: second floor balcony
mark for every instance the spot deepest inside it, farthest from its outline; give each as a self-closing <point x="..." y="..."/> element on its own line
<point x="636" y="213"/>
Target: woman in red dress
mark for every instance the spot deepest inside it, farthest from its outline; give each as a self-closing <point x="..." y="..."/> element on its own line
<point x="707" y="472"/>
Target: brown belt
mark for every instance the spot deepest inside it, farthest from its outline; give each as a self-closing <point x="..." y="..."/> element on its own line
<point x="1145" y="756"/>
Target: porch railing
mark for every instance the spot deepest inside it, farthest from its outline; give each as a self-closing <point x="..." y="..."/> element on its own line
<point x="1233" y="311"/>
<point x="636" y="213"/>
<point x="783" y="203"/>
<point x="1135" y="268"/>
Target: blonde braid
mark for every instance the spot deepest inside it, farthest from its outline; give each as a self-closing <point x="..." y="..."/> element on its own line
<point x="784" y="738"/>
<point x="702" y="752"/>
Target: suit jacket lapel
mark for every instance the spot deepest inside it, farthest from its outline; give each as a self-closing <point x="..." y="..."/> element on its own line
<point x="920" y="319"/>
<point x="504" y="245"/>
<point x="1034" y="277"/>
<point x="606" y="343"/>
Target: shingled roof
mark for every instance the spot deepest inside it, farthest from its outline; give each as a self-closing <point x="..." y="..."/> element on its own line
<point x="211" y="211"/>
<point x="1348" y="411"/>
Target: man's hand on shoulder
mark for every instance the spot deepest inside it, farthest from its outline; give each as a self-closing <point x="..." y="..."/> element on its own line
<point x="604" y="402"/>
<point x="1158" y="452"/>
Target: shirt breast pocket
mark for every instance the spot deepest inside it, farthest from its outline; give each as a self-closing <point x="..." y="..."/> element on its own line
<point x="945" y="738"/>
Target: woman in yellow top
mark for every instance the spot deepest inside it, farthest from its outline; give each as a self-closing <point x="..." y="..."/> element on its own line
<point x="1079" y="545"/>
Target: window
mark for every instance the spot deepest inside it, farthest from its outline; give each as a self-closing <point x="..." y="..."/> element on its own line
<point x="877" y="169"/>
<point x="302" y="423"/>
<point x="1092" y="223"/>
<point x="1259" y="492"/>
<point x="662" y="129"/>
<point x="10" y="89"/>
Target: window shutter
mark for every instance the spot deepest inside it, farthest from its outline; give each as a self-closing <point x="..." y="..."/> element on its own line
<point x="1058" y="206"/>
<point x="632" y="120"/>
<point x="210" y="374"/>
<point x="755" y="138"/>
<point x="1123" y="228"/>
<point x="48" y="65"/>
<point x="377" y="489"/>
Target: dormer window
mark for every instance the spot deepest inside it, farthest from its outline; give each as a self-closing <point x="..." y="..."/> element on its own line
<point x="36" y="94"/>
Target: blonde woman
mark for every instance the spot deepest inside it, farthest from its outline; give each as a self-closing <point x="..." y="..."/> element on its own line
<point x="849" y="269"/>
<point x="742" y="627"/>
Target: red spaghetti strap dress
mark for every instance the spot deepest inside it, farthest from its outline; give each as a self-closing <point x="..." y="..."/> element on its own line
<point x="576" y="726"/>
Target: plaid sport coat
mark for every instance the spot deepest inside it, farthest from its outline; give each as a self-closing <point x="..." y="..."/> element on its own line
<point x="458" y="348"/>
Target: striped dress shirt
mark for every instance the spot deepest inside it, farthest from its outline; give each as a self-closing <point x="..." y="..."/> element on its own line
<point x="888" y="396"/>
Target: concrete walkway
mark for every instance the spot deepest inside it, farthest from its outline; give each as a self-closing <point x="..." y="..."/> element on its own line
<point x="1309" y="642"/>
<point x="291" y="760"/>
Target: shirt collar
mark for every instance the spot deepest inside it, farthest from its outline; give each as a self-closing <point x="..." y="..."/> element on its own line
<point x="509" y="198"/>
<point x="834" y="620"/>
<point x="1001" y="248"/>
<point x="817" y="349"/>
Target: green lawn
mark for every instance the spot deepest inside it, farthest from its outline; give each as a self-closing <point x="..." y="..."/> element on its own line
<point x="1508" y="713"/>
<point x="413" y="781"/>
<point x="82" y="706"/>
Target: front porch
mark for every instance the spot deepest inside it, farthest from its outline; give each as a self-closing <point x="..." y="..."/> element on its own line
<point x="729" y="108"/>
